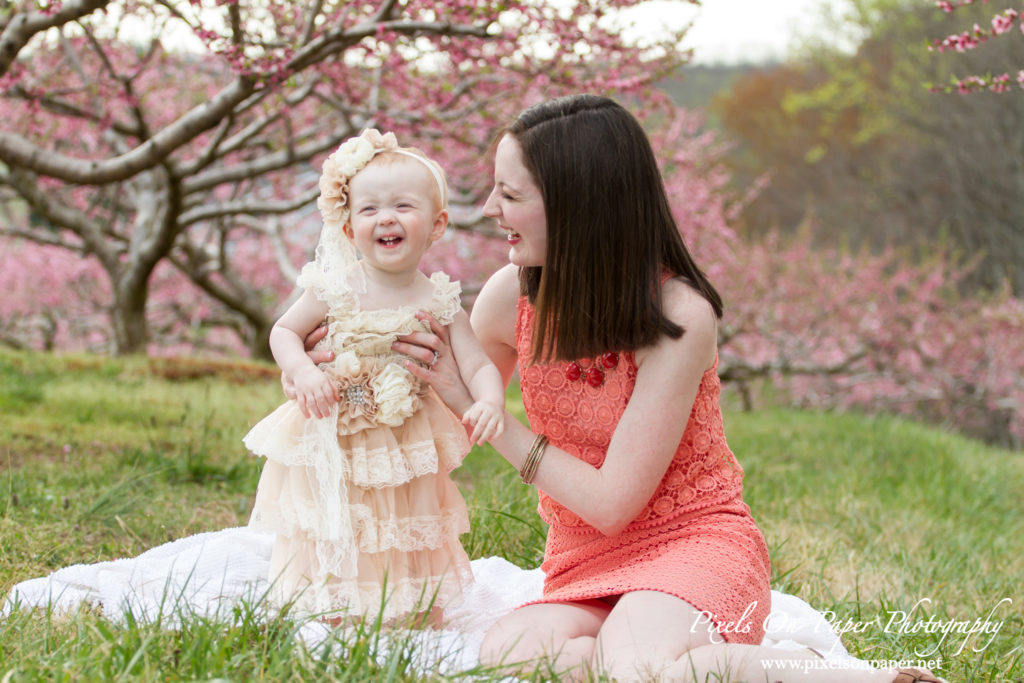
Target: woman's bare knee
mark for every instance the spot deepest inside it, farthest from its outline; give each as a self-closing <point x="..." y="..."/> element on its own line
<point x="562" y="632"/>
<point x="504" y="644"/>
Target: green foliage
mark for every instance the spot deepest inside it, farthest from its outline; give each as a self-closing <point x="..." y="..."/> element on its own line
<point x="852" y="140"/>
<point x="863" y="516"/>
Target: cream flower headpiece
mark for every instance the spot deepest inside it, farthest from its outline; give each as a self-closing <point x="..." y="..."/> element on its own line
<point x="334" y="273"/>
<point x="338" y="169"/>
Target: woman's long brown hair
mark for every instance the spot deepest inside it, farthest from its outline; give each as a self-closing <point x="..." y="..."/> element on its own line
<point x="610" y="231"/>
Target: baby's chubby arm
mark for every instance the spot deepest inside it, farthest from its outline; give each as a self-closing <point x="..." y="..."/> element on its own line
<point x="482" y="378"/>
<point x="314" y="391"/>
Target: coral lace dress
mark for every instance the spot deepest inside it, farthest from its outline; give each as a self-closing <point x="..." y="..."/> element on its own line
<point x="694" y="539"/>
<point x="366" y="516"/>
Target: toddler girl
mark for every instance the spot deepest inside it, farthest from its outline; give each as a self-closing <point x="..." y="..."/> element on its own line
<point x="356" y="483"/>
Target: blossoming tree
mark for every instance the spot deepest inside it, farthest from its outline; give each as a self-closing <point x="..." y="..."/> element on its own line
<point x="1002" y="23"/>
<point x="166" y="165"/>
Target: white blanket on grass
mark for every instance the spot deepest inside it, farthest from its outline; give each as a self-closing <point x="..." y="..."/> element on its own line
<point x="208" y="574"/>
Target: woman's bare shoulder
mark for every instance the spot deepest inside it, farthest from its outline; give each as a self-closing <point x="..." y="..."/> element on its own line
<point x="500" y="293"/>
<point x="494" y="311"/>
<point x="688" y="308"/>
<point x="685" y="305"/>
<point x="505" y="280"/>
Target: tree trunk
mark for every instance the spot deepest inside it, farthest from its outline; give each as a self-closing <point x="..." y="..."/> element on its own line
<point x="259" y="342"/>
<point x="128" y="315"/>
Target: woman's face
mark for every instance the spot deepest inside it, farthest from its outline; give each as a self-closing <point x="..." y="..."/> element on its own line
<point x="517" y="205"/>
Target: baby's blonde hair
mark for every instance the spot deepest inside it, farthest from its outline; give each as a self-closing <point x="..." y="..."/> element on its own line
<point x="394" y="156"/>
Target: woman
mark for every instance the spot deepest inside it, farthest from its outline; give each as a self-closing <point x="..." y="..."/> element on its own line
<point x="654" y="567"/>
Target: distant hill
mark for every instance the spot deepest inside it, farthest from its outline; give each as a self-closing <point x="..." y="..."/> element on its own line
<point x="694" y="86"/>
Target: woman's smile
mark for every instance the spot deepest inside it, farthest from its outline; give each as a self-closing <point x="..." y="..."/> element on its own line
<point x="516" y="203"/>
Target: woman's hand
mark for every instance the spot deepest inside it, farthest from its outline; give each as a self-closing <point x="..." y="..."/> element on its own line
<point x="433" y="362"/>
<point x="316" y="355"/>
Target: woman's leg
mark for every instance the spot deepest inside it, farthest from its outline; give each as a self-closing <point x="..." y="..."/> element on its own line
<point x="646" y="632"/>
<point x="654" y="636"/>
<point x="561" y="633"/>
<point x="650" y="636"/>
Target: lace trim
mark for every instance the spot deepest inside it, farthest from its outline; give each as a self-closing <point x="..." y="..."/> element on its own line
<point x="446" y="302"/>
<point x="419" y="533"/>
<point x="380" y="467"/>
<point x="372" y="535"/>
<point x="312" y="277"/>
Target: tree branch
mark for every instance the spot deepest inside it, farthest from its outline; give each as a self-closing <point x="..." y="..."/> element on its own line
<point x="24" y="25"/>
<point x="336" y="41"/>
<point x="62" y="215"/>
<point x="265" y="164"/>
<point x="17" y="151"/>
<point x="222" y="145"/>
<point x="40" y="237"/>
<point x="738" y="370"/>
<point x="208" y="212"/>
<point x="311" y="15"/>
<point x="272" y="229"/>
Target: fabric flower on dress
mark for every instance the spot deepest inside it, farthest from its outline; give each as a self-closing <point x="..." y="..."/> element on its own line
<point x="354" y="382"/>
<point x="394" y="391"/>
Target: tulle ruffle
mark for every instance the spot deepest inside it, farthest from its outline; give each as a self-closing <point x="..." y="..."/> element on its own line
<point x="390" y="584"/>
<point x="352" y="511"/>
<point x="421" y="514"/>
<point x="431" y="440"/>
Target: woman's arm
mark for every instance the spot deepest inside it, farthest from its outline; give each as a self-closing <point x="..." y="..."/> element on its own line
<point x="493" y="320"/>
<point x="648" y="434"/>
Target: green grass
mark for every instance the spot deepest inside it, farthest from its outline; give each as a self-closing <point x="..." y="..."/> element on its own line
<point x="104" y="458"/>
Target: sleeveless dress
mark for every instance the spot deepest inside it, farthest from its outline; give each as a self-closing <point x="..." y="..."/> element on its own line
<point x="366" y="516"/>
<point x="695" y="538"/>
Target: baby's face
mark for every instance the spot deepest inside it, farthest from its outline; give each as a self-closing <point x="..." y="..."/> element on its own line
<point x="394" y="214"/>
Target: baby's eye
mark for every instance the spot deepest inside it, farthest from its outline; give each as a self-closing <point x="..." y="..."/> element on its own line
<point x="367" y="209"/>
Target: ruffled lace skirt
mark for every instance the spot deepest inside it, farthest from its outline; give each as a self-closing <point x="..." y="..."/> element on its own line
<point x="368" y="522"/>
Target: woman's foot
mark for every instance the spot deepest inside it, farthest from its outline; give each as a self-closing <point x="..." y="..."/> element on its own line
<point x="914" y="675"/>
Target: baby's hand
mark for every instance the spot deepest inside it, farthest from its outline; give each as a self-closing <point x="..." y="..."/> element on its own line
<point x="315" y="392"/>
<point x="487" y="419"/>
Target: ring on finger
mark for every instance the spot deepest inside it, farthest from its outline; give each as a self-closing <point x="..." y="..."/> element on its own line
<point x="433" y="361"/>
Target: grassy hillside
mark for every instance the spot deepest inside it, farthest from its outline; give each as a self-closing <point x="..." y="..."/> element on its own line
<point x="105" y="458"/>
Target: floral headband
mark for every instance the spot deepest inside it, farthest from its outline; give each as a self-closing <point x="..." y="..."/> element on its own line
<point x="334" y="273"/>
<point x="351" y="157"/>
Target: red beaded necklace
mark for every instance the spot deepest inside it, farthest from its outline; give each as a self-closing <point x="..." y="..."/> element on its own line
<point x="595" y="375"/>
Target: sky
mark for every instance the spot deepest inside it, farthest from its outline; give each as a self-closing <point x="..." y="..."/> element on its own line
<point x="739" y="30"/>
<point x="733" y="30"/>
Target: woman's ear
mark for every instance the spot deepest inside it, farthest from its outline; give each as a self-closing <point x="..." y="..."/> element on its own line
<point x="440" y="225"/>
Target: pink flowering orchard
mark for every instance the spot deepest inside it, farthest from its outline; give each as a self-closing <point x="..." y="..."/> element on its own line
<point x="176" y="144"/>
<point x="832" y="329"/>
<point x="1003" y="22"/>
<point x="162" y="200"/>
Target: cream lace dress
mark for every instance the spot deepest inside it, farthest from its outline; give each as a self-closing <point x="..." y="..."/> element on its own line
<point x="366" y="516"/>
